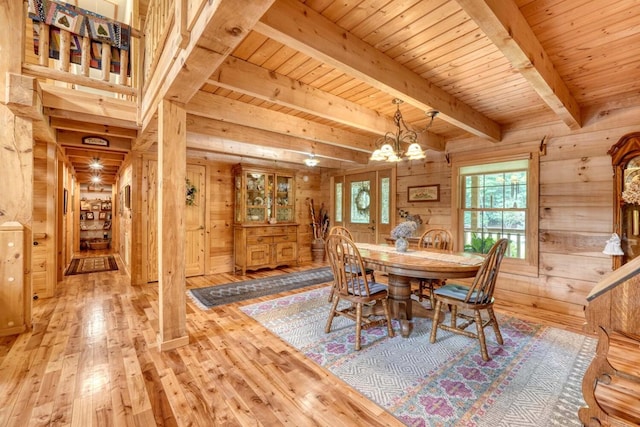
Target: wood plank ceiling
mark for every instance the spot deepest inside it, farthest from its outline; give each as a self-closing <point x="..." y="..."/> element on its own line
<point x="319" y="76"/>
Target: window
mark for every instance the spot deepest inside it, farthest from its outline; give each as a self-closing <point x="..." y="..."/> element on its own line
<point x="498" y="199"/>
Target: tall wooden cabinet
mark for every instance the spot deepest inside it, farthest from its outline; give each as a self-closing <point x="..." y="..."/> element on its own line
<point x="611" y="384"/>
<point x="265" y="234"/>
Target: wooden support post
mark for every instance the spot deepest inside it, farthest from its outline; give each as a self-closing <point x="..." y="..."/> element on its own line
<point x="172" y="168"/>
<point x="16" y="148"/>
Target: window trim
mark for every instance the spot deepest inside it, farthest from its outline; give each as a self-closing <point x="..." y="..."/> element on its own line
<point x="530" y="264"/>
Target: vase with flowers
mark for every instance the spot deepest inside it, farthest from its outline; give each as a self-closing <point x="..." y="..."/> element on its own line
<point x="400" y="233"/>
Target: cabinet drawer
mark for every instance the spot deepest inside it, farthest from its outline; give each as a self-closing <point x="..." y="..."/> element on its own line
<point x="259" y="240"/>
<point x="285" y="238"/>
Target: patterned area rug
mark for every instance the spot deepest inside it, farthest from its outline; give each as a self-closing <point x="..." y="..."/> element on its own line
<point x="239" y="291"/>
<point x="534" y="379"/>
<point x="91" y="265"/>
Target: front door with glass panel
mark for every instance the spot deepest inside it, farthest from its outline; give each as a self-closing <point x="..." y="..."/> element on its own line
<point x="361" y="206"/>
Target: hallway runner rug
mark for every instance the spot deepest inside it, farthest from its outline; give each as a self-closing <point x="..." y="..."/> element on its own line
<point x="533" y="379"/>
<point x="212" y="296"/>
<point x="91" y="265"/>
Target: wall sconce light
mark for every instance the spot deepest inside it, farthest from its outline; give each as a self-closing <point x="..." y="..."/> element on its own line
<point x="613" y="246"/>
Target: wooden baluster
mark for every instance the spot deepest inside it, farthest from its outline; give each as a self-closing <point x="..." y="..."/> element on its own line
<point x="124" y="66"/>
<point x="86" y="55"/>
<point x="106" y="61"/>
<point x="65" y="50"/>
<point x="43" y="45"/>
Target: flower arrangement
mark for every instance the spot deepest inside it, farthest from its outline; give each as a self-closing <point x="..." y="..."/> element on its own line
<point x="191" y="190"/>
<point x="319" y="222"/>
<point x="404" y="230"/>
<point x="631" y="194"/>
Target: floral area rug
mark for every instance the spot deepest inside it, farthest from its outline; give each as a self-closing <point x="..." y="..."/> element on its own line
<point x="534" y="379"/>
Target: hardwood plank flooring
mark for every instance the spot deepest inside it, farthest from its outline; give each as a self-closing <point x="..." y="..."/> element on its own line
<point x="91" y="359"/>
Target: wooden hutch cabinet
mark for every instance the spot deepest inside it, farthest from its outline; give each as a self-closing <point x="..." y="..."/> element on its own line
<point x="265" y="234"/>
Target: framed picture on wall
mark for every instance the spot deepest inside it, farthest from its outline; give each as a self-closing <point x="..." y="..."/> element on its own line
<point x="95" y="207"/>
<point x="85" y="205"/>
<point x="102" y="215"/>
<point x="423" y="193"/>
<point x="65" y="201"/>
<point x="90" y="215"/>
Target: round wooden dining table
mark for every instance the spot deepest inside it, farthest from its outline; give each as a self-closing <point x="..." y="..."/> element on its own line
<point x="402" y="267"/>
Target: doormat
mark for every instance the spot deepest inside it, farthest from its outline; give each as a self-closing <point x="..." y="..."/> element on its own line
<point x="91" y="265"/>
<point x="212" y="296"/>
<point x="534" y="379"/>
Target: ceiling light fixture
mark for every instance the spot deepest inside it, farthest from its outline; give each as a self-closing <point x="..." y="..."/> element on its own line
<point x="389" y="146"/>
<point x="311" y="161"/>
<point x="95" y="164"/>
<point x="96" y="179"/>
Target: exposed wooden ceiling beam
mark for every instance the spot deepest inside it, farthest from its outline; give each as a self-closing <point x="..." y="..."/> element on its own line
<point x="92" y="128"/>
<point x="88" y="103"/>
<point x="228" y="110"/>
<point x="232" y="132"/>
<point x="211" y="144"/>
<point x="219" y="28"/>
<point x="243" y="77"/>
<point x="86" y="177"/>
<point x="67" y="137"/>
<point x="85" y="153"/>
<point x="503" y="23"/>
<point x="292" y="23"/>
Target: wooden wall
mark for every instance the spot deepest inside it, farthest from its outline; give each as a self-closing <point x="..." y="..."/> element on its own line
<point x="575" y="210"/>
<point x="45" y="211"/>
<point x="219" y="210"/>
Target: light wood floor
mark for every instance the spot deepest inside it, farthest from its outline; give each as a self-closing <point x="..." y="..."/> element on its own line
<point x="91" y="360"/>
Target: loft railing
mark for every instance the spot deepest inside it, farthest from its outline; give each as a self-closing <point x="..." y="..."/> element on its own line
<point x="63" y="70"/>
<point x="158" y="24"/>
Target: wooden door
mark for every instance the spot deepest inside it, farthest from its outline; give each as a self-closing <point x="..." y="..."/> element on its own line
<point x="194" y="223"/>
<point x="361" y="206"/>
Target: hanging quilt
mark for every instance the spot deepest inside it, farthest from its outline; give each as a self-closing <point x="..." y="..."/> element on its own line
<point x="80" y="23"/>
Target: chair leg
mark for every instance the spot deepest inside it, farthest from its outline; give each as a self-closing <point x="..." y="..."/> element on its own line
<point x="454" y="315"/>
<point x="436" y="322"/>
<point x="496" y="327"/>
<point x="432" y="298"/>
<point x="332" y="314"/>
<point x="358" y="324"/>
<point x="480" y="330"/>
<point x="333" y="291"/>
<point x="387" y="315"/>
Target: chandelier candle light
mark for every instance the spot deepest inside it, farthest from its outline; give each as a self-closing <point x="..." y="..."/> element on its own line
<point x="390" y="149"/>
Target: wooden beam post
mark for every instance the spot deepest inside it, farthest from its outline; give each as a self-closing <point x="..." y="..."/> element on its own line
<point x="172" y="169"/>
<point x="16" y="148"/>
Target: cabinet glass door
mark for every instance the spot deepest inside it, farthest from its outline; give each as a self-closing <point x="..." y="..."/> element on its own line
<point x="284" y="199"/>
<point x="256" y="197"/>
